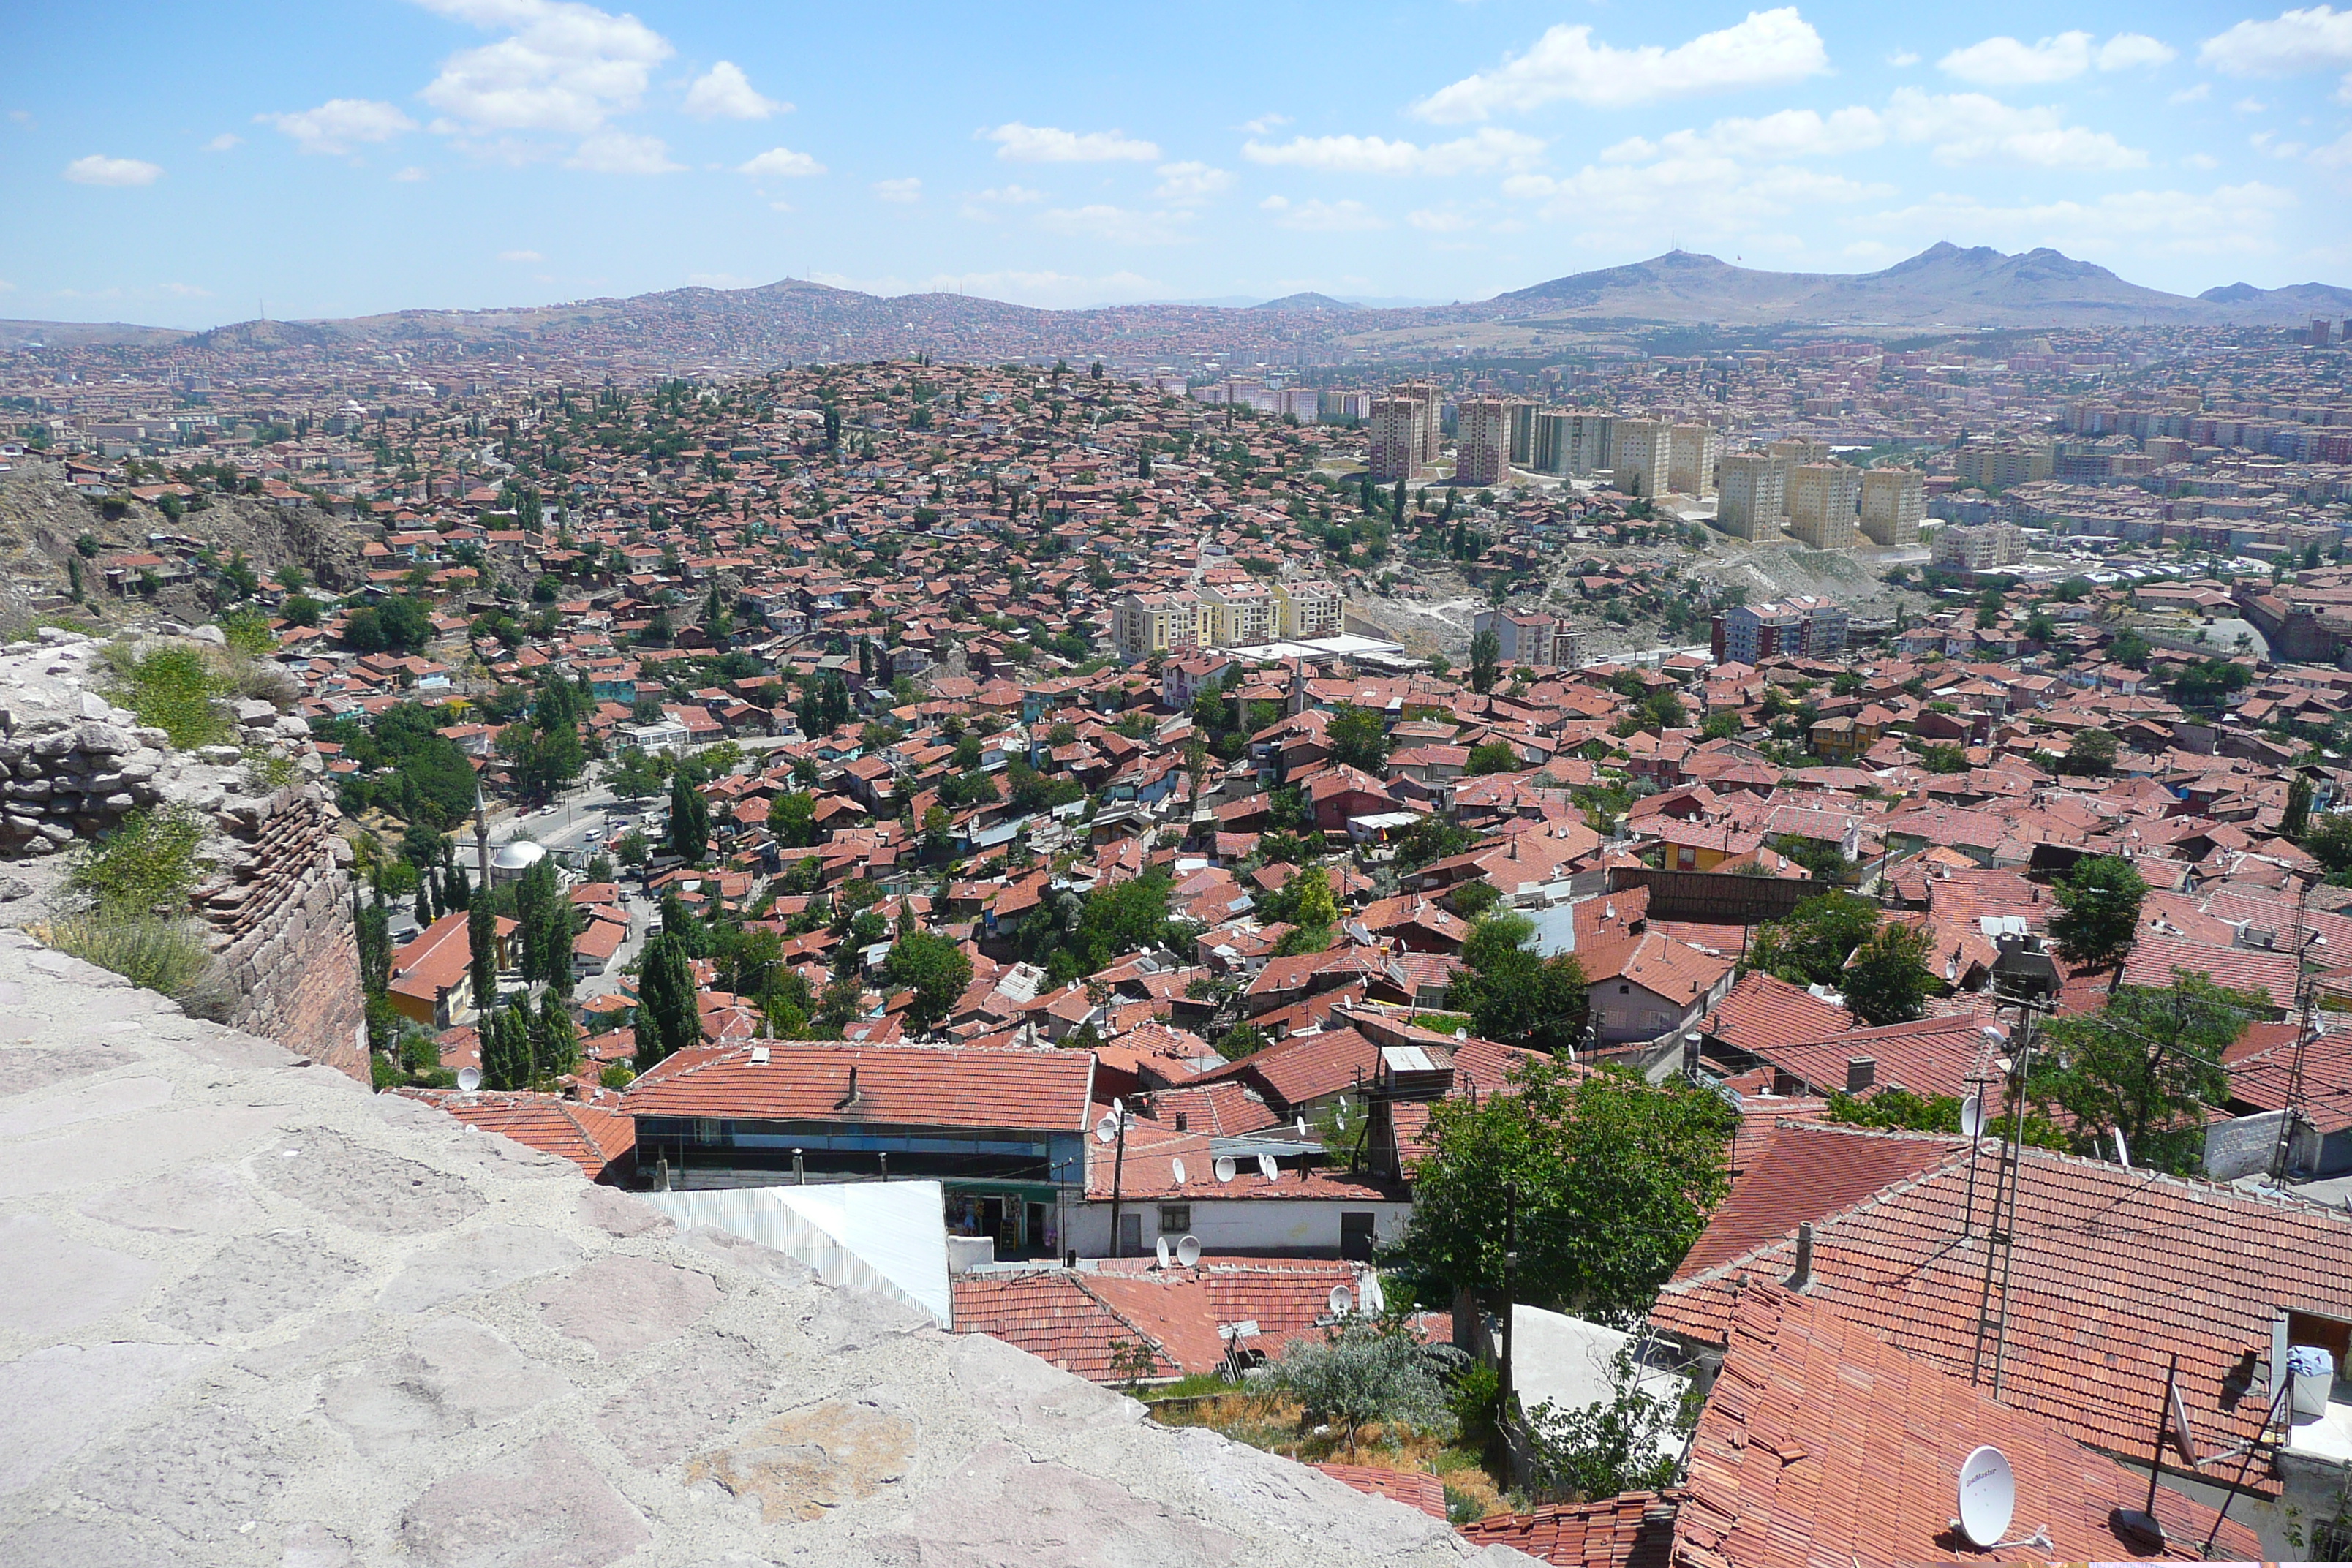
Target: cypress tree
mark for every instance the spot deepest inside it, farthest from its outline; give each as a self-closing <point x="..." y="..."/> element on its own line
<point x="424" y="907"/>
<point x="669" y="1018"/>
<point x="481" y="941"/>
<point x="554" y="1040"/>
<point x="689" y="819"/>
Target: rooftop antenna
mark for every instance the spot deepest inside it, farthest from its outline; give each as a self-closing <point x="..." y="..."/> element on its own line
<point x="1225" y="1168"/>
<point x="1113" y="1126"/>
<point x="1176" y="1169"/>
<point x="1268" y="1168"/>
<point x="469" y="1080"/>
<point x="1188" y="1251"/>
<point x="1992" y="1325"/>
<point x="1160" y="1248"/>
<point x="1340" y="1302"/>
<point x="2307" y="1025"/>
<point x="1988" y="1497"/>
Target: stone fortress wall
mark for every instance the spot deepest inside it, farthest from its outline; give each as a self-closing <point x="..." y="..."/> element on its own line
<point x="277" y="900"/>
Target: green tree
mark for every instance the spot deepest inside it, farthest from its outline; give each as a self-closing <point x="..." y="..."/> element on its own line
<point x="1485" y="661"/>
<point x="1365" y="1370"/>
<point x="1357" y="738"/>
<point x="1493" y="757"/>
<point x="689" y="819"/>
<point x="1811" y="945"/>
<point x="1514" y="995"/>
<point x="2092" y="752"/>
<point x="935" y="969"/>
<point x="545" y="915"/>
<point x="2148" y="1062"/>
<point x="1887" y="981"/>
<point x="2098" y="911"/>
<point x="2297" y="814"/>
<point x="481" y="946"/>
<point x="1613" y="1444"/>
<point x="1614" y="1179"/>
<point x="505" y="1037"/>
<point x="669" y="1017"/>
<point x="554" y="1039"/>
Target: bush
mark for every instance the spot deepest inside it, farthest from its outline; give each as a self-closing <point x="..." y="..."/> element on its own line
<point x="162" y="955"/>
<point x="617" y="1075"/>
<point x="248" y="631"/>
<point x="148" y="860"/>
<point x="1366" y="1371"/>
<point x="172" y="690"/>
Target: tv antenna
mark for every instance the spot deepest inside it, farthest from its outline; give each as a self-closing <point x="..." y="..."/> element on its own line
<point x="1225" y="1168"/>
<point x="469" y="1080"/>
<point x="1113" y="1126"/>
<point x="1268" y="1168"/>
<point x="2306" y="1025"/>
<point x="1989" y="1500"/>
<point x="1161" y="1249"/>
<point x="1176" y="1169"/>
<point x="1188" y="1251"/>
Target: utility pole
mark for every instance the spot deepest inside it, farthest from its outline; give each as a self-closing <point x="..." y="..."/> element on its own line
<point x="1118" y="1171"/>
<point x="1510" y="1294"/>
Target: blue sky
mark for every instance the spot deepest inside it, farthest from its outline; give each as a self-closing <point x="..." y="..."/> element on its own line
<point x="183" y="165"/>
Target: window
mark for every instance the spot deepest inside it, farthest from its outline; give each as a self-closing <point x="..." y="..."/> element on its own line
<point x="1355" y="1235"/>
<point x="1624" y="990"/>
<point x="1175" y="1218"/>
<point x="706" y="1129"/>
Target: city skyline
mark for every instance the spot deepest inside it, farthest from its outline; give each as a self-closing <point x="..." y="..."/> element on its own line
<point x="463" y="154"/>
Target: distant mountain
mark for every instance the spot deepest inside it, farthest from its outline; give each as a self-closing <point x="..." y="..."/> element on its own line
<point x="2296" y="301"/>
<point x="1307" y="301"/>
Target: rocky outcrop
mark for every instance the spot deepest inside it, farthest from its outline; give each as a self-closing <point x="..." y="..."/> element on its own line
<point x="259" y="1317"/>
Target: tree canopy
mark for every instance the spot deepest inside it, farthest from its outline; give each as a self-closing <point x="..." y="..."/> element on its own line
<point x="935" y="969"/>
<point x="1512" y="993"/>
<point x="2148" y="1062"/>
<point x="2098" y="911"/>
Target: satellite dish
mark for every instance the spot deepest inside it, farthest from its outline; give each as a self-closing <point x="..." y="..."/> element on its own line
<point x="1225" y="1167"/>
<point x="1108" y="1127"/>
<point x="1340" y="1301"/>
<point x="1302" y="1127"/>
<point x="1987" y="1496"/>
<point x="469" y="1078"/>
<point x="1972" y="1116"/>
<point x="1161" y="1246"/>
<point x="1176" y="1168"/>
<point x="1266" y="1167"/>
<point x="2123" y="1150"/>
<point x="1188" y="1251"/>
<point x="1369" y="1294"/>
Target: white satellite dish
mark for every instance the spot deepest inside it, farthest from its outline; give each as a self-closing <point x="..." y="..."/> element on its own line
<point x="1987" y="1496"/>
<point x="1369" y="1295"/>
<point x="1161" y="1246"/>
<point x="1225" y="1167"/>
<point x="1302" y="1127"/>
<point x="1972" y="1116"/>
<point x="1266" y="1167"/>
<point x="2123" y="1150"/>
<point x="1176" y="1169"/>
<point x="1188" y="1251"/>
<point x="1340" y="1301"/>
<point x="469" y="1078"/>
<point x="1107" y="1129"/>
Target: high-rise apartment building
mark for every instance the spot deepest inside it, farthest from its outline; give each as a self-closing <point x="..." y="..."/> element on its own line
<point x="1562" y="442"/>
<point x="1309" y="607"/>
<point x="1982" y="549"/>
<point x="1641" y="451"/>
<point x="1532" y="637"/>
<point x="1752" y="495"/>
<point x="1998" y="467"/>
<point x="1523" y="433"/>
<point x="1144" y="623"/>
<point x="1823" y="498"/>
<point x="1893" y="502"/>
<point x="1482" y="441"/>
<point x="1405" y="430"/>
<point x="1691" y="460"/>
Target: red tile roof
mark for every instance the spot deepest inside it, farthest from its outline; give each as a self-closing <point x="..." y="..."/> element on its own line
<point x="915" y="1086"/>
<point x="1414" y="1489"/>
<point x="1761" y="1011"/>
<point x="592" y="1136"/>
<point x="1822" y="1443"/>
<point x="1633" y="1529"/>
<point x="1808" y="1171"/>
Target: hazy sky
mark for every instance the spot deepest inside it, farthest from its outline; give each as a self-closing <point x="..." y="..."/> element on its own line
<point x="183" y="164"/>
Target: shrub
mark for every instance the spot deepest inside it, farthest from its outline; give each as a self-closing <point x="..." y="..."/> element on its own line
<point x="148" y="860"/>
<point x="172" y="690"/>
<point x="1365" y="1370"/>
<point x="162" y="955"/>
<point x="248" y="631"/>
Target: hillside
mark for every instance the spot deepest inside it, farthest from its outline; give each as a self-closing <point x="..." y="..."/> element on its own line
<point x="1944" y="285"/>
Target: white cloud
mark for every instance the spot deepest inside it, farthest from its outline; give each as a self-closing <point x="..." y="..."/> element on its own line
<point x="610" y="152"/>
<point x="1263" y="123"/>
<point x="2251" y="106"/>
<point x="724" y="92"/>
<point x="2198" y="94"/>
<point x="2319" y="38"/>
<point x="339" y="124"/>
<point x="1969" y="128"/>
<point x="563" y="66"/>
<point x="1015" y="194"/>
<point x="411" y="176"/>
<point x="902" y="190"/>
<point x="1791" y="133"/>
<point x="2005" y="62"/>
<point x="226" y="142"/>
<point x="101" y="170"/>
<point x="187" y="291"/>
<point x="780" y="163"/>
<point x="1485" y="149"/>
<point x="1903" y="60"/>
<point x="1706" y="197"/>
<point x="2201" y="160"/>
<point x="1769" y="48"/>
<point x="1321" y="217"/>
<point x="1190" y="182"/>
<point x="1115" y="224"/>
<point x="1045" y="144"/>
<point x="1436" y="220"/>
<point x="521" y="256"/>
<point x="2229" y="220"/>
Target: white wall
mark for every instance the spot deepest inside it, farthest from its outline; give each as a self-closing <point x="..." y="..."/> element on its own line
<point x="1254" y="1224"/>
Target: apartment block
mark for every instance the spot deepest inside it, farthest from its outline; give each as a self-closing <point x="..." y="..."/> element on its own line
<point x="1144" y="623"/>
<point x="1986" y="548"/>
<point x="1998" y="466"/>
<point x="1563" y="442"/>
<point x="1523" y="433"/>
<point x="1482" y="441"/>
<point x="1691" y="460"/>
<point x="1309" y="607"/>
<point x="1802" y="626"/>
<point x="1752" y="497"/>
<point x="1239" y="612"/>
<point x="1532" y="638"/>
<point x="1641" y="451"/>
<point x="1405" y="430"/>
<point x="1342" y="406"/>
<point x="1823" y="502"/>
<point x="1893" y="502"/>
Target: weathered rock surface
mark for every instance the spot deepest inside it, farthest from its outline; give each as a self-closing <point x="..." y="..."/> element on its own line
<point x="410" y="1341"/>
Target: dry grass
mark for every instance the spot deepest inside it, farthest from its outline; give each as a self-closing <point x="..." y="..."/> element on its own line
<point x="1275" y="1423"/>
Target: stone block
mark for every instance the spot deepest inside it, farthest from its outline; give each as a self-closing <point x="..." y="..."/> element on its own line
<point x="252" y="1282"/>
<point x="457" y="1375"/>
<point x="478" y="1260"/>
<point x="621" y="1305"/>
<point x="544" y="1508"/>
<point x="362" y="1187"/>
<point x="807" y="1462"/>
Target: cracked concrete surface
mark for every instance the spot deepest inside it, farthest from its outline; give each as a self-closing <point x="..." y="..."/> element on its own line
<point x="254" y="1315"/>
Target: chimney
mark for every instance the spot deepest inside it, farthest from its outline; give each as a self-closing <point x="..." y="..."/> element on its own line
<point x="1804" y="1274"/>
<point x="1860" y="1073"/>
<point x="846" y="1100"/>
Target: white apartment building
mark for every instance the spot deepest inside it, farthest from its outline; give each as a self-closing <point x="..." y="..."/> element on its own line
<point x="1690" y="458"/>
<point x="1239" y="613"/>
<point x="1641" y="452"/>
<point x="1144" y="623"/>
<point x="1309" y="607"/>
<point x="1893" y="502"/>
<point x="1753" y="497"/>
<point x="1532" y="637"/>
<point x="1823" y="500"/>
<point x="1985" y="548"/>
<point x="1482" y="441"/>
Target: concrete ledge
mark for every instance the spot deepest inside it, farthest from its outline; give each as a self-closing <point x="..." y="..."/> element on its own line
<point x="256" y="1315"/>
